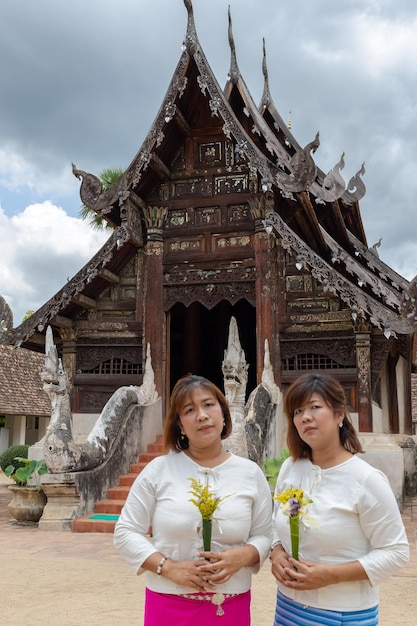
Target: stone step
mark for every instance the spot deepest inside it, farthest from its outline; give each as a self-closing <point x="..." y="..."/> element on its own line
<point x="112" y="507"/>
<point x="136" y="468"/>
<point x="91" y="525"/>
<point x="145" y="457"/>
<point x="159" y="448"/>
<point x="128" y="479"/>
<point x="106" y="512"/>
<point x="119" y="492"/>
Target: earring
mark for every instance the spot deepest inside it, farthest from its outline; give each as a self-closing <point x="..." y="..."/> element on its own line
<point x="341" y="424"/>
<point x="182" y="436"/>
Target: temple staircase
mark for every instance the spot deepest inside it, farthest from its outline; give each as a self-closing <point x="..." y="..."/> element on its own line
<point x="106" y="512"/>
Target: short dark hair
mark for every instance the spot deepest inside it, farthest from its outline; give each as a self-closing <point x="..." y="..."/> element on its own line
<point x="332" y="392"/>
<point x="182" y="389"/>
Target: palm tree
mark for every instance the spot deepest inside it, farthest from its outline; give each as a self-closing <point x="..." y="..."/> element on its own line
<point x="108" y="177"/>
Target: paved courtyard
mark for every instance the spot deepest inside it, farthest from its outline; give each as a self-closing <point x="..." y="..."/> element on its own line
<point x="70" y="579"/>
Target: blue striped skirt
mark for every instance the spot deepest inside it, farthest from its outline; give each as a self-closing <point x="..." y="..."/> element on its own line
<point x="290" y="613"/>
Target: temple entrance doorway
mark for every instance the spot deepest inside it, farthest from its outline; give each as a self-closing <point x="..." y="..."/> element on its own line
<point x="197" y="339"/>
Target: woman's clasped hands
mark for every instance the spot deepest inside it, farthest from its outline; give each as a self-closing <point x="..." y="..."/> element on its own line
<point x="300" y="574"/>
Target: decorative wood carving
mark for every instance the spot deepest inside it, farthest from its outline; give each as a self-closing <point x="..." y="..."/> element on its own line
<point x="300" y="282"/>
<point x="176" y="219"/>
<point x="363" y="366"/>
<point x="92" y="401"/>
<point x="239" y="214"/>
<point x="231" y="241"/>
<point x="312" y="305"/>
<point x="154" y="216"/>
<point x="191" y="187"/>
<point x="350" y="293"/>
<point x="233" y="183"/>
<point x="208" y="216"/>
<point x="210" y="294"/>
<point x="222" y="271"/>
<point x="90" y="357"/>
<point x="362" y="275"/>
<point x="210" y="153"/>
<point x="342" y="351"/>
<point x="186" y="245"/>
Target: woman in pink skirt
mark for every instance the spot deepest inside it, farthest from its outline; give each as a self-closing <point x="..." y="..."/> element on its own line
<point x="186" y="584"/>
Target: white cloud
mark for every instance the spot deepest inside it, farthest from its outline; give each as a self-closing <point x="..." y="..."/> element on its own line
<point x="41" y="248"/>
<point x="18" y="173"/>
<point x="343" y="68"/>
<point x="387" y="46"/>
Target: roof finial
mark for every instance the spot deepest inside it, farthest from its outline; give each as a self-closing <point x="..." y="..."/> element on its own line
<point x="289" y="121"/>
<point x="266" y="96"/>
<point x="191" y="36"/>
<point x="234" y="70"/>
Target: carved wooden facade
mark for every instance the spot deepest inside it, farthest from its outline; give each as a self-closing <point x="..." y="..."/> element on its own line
<point x="222" y="213"/>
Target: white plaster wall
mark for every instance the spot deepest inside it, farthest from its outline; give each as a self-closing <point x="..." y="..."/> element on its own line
<point x="355" y="420"/>
<point x="82" y="424"/>
<point x="377" y="419"/>
<point x="401" y="371"/>
<point x="383" y="452"/>
<point x="281" y="431"/>
<point x="384" y="402"/>
<point x="4" y="439"/>
<point x="19" y="429"/>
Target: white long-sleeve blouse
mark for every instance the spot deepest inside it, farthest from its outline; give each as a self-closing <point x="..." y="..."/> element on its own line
<point x="160" y="498"/>
<point x="357" y="518"/>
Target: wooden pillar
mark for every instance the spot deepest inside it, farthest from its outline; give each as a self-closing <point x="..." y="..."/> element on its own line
<point x="264" y="323"/>
<point x="154" y="329"/>
<point x="266" y="314"/>
<point x="153" y="312"/>
<point x="363" y="365"/>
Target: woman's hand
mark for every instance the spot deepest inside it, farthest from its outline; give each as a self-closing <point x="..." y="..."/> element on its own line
<point x="187" y="574"/>
<point x="280" y="562"/>
<point x="305" y="575"/>
<point x="221" y="566"/>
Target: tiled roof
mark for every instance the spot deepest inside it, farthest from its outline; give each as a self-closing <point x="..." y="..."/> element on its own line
<point x="21" y="391"/>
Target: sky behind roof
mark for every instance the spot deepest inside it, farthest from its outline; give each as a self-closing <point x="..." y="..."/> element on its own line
<point x="83" y="81"/>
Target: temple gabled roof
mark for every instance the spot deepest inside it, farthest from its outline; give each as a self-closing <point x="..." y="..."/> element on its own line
<point x="287" y="172"/>
<point x="77" y="294"/>
<point x="317" y="216"/>
<point x="286" y="151"/>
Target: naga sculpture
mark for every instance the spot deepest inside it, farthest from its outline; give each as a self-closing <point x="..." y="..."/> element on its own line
<point x="261" y="418"/>
<point x="235" y="373"/>
<point x="63" y="454"/>
<point x="333" y="185"/>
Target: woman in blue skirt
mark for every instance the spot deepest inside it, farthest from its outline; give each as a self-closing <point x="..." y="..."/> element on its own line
<point x="337" y="510"/>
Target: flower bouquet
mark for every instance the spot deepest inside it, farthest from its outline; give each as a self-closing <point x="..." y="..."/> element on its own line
<point x="292" y="502"/>
<point x="207" y="503"/>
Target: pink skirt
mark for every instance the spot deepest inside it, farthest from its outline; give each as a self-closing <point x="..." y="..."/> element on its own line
<point x="164" y="608"/>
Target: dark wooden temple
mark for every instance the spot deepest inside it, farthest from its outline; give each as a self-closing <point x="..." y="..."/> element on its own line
<point x="222" y="213"/>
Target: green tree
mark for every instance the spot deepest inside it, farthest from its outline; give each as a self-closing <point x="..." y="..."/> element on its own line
<point x="272" y="468"/>
<point x="108" y="177"/>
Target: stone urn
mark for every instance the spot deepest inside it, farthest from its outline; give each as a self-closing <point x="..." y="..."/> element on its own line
<point x="27" y="503"/>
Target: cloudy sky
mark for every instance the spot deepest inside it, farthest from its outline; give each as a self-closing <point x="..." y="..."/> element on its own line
<point x="82" y="82"/>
